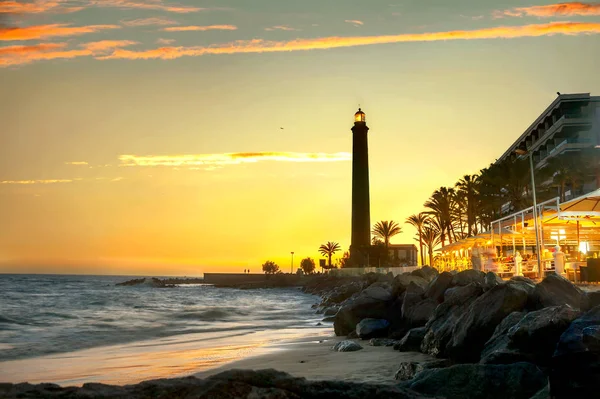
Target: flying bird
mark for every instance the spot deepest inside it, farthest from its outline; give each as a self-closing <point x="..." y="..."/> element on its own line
<point x="281" y="128"/>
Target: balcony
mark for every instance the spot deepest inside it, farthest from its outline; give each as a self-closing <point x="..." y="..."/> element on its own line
<point x="565" y="120"/>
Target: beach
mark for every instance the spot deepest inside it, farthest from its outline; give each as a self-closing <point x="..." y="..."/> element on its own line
<point x="314" y="359"/>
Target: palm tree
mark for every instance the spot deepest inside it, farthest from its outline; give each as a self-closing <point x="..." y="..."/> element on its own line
<point x="431" y="238"/>
<point x="329" y="249"/>
<point x="441" y="205"/>
<point x="468" y="188"/>
<point x="385" y="230"/>
<point x="418" y="221"/>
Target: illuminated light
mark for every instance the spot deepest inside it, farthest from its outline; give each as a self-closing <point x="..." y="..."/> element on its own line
<point x="584" y="247"/>
<point x="359" y="116"/>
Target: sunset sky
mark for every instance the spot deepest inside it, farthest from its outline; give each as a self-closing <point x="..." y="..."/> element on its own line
<point x="176" y="138"/>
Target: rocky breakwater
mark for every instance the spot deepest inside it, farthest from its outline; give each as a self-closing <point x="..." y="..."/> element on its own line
<point x="496" y="338"/>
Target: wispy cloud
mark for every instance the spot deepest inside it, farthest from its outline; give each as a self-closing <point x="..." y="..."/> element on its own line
<point x="354" y="22"/>
<point x="36" y="7"/>
<point x="149" y="21"/>
<point x="199" y="28"/>
<point x="552" y="10"/>
<point x="235" y="158"/>
<point x="263" y="46"/>
<point x="145" y="5"/>
<point x="36" y="181"/>
<point x="17" y="55"/>
<point x="49" y="31"/>
<point x="76" y="163"/>
<point x="281" y="27"/>
<point x="165" y="42"/>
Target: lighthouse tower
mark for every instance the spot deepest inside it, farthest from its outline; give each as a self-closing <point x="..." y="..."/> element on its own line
<point x="361" y="212"/>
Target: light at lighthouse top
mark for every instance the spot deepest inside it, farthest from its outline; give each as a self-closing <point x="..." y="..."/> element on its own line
<point x="359" y="116"/>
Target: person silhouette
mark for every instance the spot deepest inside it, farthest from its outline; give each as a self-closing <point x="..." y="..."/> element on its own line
<point x="244" y="271"/>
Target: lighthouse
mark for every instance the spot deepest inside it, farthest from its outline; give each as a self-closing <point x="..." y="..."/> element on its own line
<point x="361" y="212"/>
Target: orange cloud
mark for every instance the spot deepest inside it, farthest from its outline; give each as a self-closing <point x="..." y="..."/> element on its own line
<point x="36" y="7"/>
<point x="36" y="181"/>
<point x="354" y="22"/>
<point x="263" y="46"/>
<point x="48" y="31"/>
<point x="18" y="55"/>
<point x="145" y="5"/>
<point x="165" y="42"/>
<point x="230" y="158"/>
<point x="552" y="10"/>
<point x="76" y="163"/>
<point x="149" y="21"/>
<point x="199" y="28"/>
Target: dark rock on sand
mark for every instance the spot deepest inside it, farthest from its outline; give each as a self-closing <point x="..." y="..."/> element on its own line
<point x="426" y="272"/>
<point x="482" y="317"/>
<point x="543" y="393"/>
<point x="575" y="366"/>
<point x="347" y="346"/>
<point x="555" y="290"/>
<point x="373" y="302"/>
<point x="480" y="381"/>
<point x="411" y="342"/>
<point x="408" y="370"/>
<point x="491" y="280"/>
<point x="416" y="311"/>
<point x="382" y="342"/>
<point x="329" y="319"/>
<point x="372" y="328"/>
<point x="590" y="300"/>
<point x="537" y="333"/>
<point x="243" y="384"/>
<point x="402" y="281"/>
<point x="436" y="288"/>
<point x="444" y="318"/>
<point x="468" y="276"/>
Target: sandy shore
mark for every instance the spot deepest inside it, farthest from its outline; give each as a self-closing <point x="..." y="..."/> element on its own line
<point x="315" y="360"/>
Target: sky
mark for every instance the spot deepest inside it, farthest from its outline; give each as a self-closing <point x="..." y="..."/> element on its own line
<point x="151" y="137"/>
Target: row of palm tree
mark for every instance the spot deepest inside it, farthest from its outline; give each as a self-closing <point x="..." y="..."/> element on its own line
<point x="470" y="206"/>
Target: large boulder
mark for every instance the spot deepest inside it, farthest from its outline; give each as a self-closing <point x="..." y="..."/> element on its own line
<point x="445" y="316"/>
<point x="373" y="302"/>
<point x="416" y="314"/>
<point x="491" y="280"/>
<point x="426" y="272"/>
<point x="340" y="294"/>
<point x="411" y="342"/>
<point x="403" y="281"/>
<point x="468" y="276"/>
<point x="370" y="328"/>
<point x="555" y="290"/>
<point x="347" y="346"/>
<point x="499" y="340"/>
<point x="436" y="288"/>
<point x="382" y="342"/>
<point x="480" y="381"/>
<point x="537" y="333"/>
<point x="575" y="366"/>
<point x="478" y="323"/>
<point x="408" y="370"/>
<point x="590" y="300"/>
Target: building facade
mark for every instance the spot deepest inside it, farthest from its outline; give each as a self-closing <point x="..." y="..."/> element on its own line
<point x="571" y="123"/>
<point x="403" y="254"/>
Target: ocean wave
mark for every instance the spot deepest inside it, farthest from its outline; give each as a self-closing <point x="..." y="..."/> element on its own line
<point x="214" y="314"/>
<point x="8" y="320"/>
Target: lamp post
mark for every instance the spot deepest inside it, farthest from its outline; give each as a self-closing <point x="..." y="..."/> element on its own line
<point x="292" y="267"/>
<point x="521" y="151"/>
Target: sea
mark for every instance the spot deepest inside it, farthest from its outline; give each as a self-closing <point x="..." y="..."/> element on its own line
<point x="70" y="330"/>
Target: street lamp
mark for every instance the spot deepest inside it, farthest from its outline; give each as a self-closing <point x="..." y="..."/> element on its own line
<point x="521" y="151"/>
<point x="292" y="267"/>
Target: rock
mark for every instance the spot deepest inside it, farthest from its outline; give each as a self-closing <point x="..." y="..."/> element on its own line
<point x="436" y="288"/>
<point x="415" y="311"/>
<point x="480" y="381"/>
<point x="411" y="342"/>
<point x="373" y="302"/>
<point x="491" y="280"/>
<point x="439" y="327"/>
<point x="555" y="290"/>
<point x="147" y="282"/>
<point x="590" y="300"/>
<point x="382" y="342"/>
<point x="402" y="281"/>
<point x="468" y="276"/>
<point x="543" y="393"/>
<point x="478" y="323"/>
<point x="426" y="272"/>
<point x="329" y="319"/>
<point x="506" y="356"/>
<point x="538" y="332"/>
<point x="575" y="366"/>
<point x="499" y="340"/>
<point x="248" y="384"/>
<point x="352" y="335"/>
<point x="347" y="346"/>
<point x="369" y="328"/>
<point x="331" y="311"/>
<point x="523" y="279"/>
<point x="408" y="370"/>
<point x="591" y="338"/>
